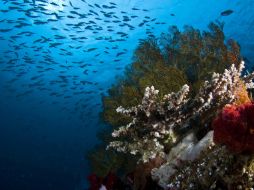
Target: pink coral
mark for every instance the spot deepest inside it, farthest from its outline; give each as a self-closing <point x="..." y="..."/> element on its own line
<point x="234" y="127"/>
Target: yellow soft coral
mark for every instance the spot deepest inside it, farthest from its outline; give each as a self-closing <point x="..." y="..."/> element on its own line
<point x="241" y="94"/>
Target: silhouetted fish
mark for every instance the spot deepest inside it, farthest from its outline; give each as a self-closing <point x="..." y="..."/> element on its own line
<point x="226" y="12"/>
<point x="91" y="49"/>
<point x="5" y="30"/>
<point x="97" y="5"/>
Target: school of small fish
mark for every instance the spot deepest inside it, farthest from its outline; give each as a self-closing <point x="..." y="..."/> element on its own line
<point x="45" y="45"/>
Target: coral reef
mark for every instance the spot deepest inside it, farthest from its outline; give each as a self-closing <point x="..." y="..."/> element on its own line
<point x="234" y="127"/>
<point x="216" y="168"/>
<point x="186" y="150"/>
<point x="155" y="123"/>
<point x="169" y="62"/>
<point x="167" y="140"/>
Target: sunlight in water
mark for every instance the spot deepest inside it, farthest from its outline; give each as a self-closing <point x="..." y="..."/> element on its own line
<point x="55" y="5"/>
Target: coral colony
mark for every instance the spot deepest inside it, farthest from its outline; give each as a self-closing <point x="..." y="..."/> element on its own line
<point x="185" y="140"/>
<point x="156" y="123"/>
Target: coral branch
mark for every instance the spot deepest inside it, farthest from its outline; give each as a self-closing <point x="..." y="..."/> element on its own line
<point x="155" y="121"/>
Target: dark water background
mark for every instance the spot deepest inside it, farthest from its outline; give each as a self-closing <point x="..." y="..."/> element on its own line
<point x="51" y="96"/>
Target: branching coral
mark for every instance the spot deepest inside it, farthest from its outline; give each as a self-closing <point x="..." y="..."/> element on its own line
<point x="155" y="121"/>
<point x="149" y="127"/>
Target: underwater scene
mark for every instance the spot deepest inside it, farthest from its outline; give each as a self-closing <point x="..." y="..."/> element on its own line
<point x="126" y="95"/>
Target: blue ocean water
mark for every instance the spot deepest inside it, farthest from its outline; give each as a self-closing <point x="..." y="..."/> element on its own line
<point x="58" y="57"/>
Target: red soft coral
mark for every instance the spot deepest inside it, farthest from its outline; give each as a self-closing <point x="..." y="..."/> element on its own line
<point x="110" y="180"/>
<point x="96" y="182"/>
<point x="234" y="127"/>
